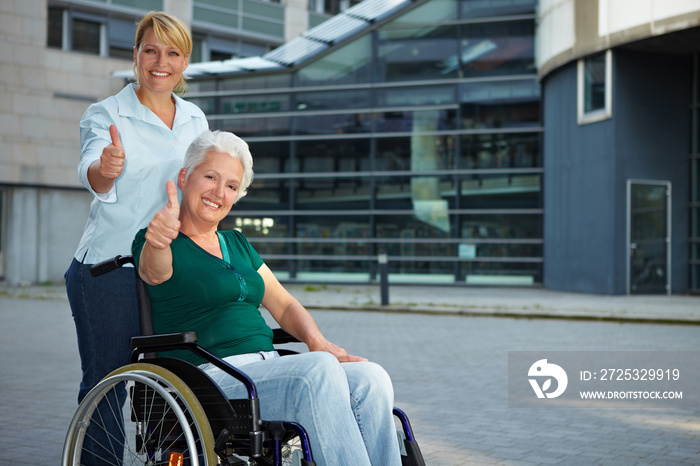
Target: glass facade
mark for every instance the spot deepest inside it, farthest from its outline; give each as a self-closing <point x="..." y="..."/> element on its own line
<point x="420" y="138"/>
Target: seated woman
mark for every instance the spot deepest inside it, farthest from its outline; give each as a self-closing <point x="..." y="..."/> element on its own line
<point x="213" y="281"/>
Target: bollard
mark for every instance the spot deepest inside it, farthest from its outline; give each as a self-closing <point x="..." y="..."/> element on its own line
<point x="383" y="259"/>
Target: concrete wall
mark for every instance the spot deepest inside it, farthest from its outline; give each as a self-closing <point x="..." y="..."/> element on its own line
<point x="43" y="94"/>
<point x="570" y="29"/>
<point x="44" y="227"/>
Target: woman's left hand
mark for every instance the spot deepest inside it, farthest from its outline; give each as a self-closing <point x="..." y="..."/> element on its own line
<point x="336" y="351"/>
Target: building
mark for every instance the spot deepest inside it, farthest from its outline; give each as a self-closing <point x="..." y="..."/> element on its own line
<point x="620" y="92"/>
<point x="410" y="128"/>
<point x="57" y="57"/>
<point x="466" y="142"/>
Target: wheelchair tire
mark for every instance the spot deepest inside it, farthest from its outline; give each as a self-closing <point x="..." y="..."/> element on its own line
<point x="106" y="431"/>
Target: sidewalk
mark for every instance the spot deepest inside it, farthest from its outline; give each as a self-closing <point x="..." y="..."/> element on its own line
<point x="503" y="302"/>
<point x="450" y="374"/>
<point x="471" y="301"/>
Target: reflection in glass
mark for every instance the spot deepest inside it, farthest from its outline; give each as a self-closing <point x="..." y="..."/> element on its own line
<point x="266" y="194"/>
<point x="332" y="100"/>
<point x="399" y="192"/>
<point x="334" y="193"/>
<point x="255" y="226"/>
<point x="332" y="226"/>
<point x="500" y="226"/>
<point x="411" y="96"/>
<point x="408" y="227"/>
<point x="648" y="223"/>
<point x="199" y="85"/>
<point x="347" y="65"/>
<point x="477" y="250"/>
<point x="488" y="8"/>
<point x="259" y="103"/>
<point x="331" y="268"/>
<point x="435" y="11"/>
<point x="333" y="155"/>
<point x="428" y="204"/>
<point x="254" y="127"/>
<point x="343" y="123"/>
<point x="270" y="157"/>
<point x="416" y="120"/>
<point x="206" y="104"/>
<point x="265" y="81"/>
<point x="496" y="49"/>
<point x="417" y="53"/>
<point x="323" y="233"/>
<point x="395" y="153"/>
<point x="501" y="191"/>
<point x="510" y="104"/>
<point x="519" y="150"/>
<point x="594" y="83"/>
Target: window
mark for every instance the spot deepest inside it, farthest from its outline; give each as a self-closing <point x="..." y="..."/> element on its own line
<point x="331" y="7"/>
<point x="71" y="29"/>
<point x="86" y="36"/>
<point x="55" y="28"/>
<point x="595" y="88"/>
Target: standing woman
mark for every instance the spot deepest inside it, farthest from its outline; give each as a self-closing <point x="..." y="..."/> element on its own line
<point x="131" y="143"/>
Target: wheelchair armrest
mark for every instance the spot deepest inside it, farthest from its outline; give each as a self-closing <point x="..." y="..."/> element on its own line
<point x="165" y="339"/>
<point x="280" y="337"/>
<point x="108" y="265"/>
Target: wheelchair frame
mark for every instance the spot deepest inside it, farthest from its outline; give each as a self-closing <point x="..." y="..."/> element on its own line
<point x="196" y="417"/>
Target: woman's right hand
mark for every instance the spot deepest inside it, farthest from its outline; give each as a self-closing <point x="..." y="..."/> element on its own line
<point x="112" y="158"/>
<point x="156" y="260"/>
<point x="102" y="173"/>
<point x="165" y="225"/>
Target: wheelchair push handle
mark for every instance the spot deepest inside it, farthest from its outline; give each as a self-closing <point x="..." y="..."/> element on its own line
<point x="108" y="265"/>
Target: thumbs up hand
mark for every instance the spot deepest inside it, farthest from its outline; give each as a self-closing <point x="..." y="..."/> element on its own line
<point x="165" y="225"/>
<point x="112" y="158"/>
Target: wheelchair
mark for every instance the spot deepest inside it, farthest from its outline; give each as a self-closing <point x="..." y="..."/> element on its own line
<point x="165" y="411"/>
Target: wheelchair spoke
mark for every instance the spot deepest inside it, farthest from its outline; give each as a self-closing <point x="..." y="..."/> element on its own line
<point x="136" y="418"/>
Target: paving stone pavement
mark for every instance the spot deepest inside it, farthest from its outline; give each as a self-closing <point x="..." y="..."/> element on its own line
<point x="448" y="365"/>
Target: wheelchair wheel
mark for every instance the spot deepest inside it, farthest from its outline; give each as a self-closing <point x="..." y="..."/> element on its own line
<point x="140" y="414"/>
<point x="291" y="450"/>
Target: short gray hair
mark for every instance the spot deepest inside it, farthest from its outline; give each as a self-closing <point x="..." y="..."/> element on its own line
<point x="220" y="141"/>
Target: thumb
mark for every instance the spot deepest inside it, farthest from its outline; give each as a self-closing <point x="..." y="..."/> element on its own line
<point x="115" y="136"/>
<point x="173" y="203"/>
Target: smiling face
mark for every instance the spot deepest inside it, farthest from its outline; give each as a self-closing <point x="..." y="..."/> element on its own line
<point x="210" y="190"/>
<point x="159" y="65"/>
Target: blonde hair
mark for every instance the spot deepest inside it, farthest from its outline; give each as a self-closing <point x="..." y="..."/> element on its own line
<point x="171" y="31"/>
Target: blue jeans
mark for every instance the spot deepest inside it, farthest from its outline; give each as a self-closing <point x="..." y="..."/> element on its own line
<point x="345" y="408"/>
<point x="105" y="311"/>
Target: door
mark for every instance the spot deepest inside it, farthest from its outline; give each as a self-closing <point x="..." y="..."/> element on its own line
<point x="648" y="236"/>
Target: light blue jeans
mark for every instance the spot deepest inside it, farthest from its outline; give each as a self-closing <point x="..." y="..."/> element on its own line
<point x="345" y="408"/>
